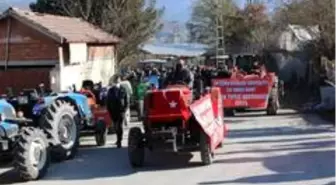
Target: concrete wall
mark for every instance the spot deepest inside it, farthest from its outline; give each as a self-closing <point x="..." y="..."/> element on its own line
<point x="95" y="62"/>
<point x="102" y="59"/>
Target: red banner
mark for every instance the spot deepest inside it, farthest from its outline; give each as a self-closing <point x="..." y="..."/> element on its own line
<point x="247" y="93"/>
<point x="210" y="121"/>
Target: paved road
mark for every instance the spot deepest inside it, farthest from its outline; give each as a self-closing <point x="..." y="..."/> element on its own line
<point x="285" y="149"/>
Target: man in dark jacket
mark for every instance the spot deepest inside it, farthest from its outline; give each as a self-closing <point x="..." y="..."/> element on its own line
<point x="181" y="74"/>
<point x="198" y="83"/>
<point x="117" y="104"/>
<point x="223" y="71"/>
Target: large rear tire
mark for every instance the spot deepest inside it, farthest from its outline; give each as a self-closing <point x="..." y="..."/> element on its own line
<point x="31" y="154"/>
<point x="61" y="123"/>
<point x="273" y="103"/>
<point x="205" y="149"/>
<point x="136" y="149"/>
<point x="229" y="112"/>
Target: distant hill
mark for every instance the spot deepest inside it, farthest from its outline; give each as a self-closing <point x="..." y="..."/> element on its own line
<point x="172" y="32"/>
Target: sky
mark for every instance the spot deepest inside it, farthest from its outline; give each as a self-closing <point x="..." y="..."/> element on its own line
<point x="175" y="10"/>
<point x="180" y="10"/>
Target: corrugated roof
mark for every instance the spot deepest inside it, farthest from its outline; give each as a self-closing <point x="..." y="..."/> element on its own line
<point x="304" y="33"/>
<point x="62" y="28"/>
<point x="187" y="50"/>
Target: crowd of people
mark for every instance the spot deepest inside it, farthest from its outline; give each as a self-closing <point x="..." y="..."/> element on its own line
<point x="192" y="76"/>
<point x="133" y="84"/>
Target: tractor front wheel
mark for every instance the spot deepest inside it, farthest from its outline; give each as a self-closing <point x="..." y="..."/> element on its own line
<point x="31" y="154"/>
<point x="61" y="123"/>
<point x="205" y="148"/>
<point x="273" y="103"/>
<point x="101" y="133"/>
<point x="136" y="149"/>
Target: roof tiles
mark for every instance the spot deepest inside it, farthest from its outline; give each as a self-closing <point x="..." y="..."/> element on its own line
<point x="72" y="30"/>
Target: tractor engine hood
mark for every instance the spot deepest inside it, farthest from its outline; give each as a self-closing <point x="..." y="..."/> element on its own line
<point x="7" y="130"/>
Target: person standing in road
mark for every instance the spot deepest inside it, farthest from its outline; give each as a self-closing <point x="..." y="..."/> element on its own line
<point x="117" y="104"/>
<point x="198" y="83"/>
<point x="154" y="78"/>
<point x="141" y="92"/>
<point x="126" y="84"/>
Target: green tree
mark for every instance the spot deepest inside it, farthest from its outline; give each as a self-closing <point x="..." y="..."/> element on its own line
<point x="134" y="21"/>
<point x="256" y="26"/>
<point x="202" y="25"/>
<point x="241" y="26"/>
<point x="47" y="6"/>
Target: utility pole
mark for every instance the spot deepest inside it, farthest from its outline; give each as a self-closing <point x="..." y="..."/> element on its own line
<point x="220" y="38"/>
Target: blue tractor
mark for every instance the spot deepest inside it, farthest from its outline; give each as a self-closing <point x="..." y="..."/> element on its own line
<point x="24" y="141"/>
<point x="62" y="116"/>
<point x="49" y="124"/>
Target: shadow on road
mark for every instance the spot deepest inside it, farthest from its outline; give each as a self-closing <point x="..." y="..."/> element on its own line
<point x="90" y="163"/>
<point x="276" y="131"/>
<point x="256" y="114"/>
<point x="290" y="147"/>
<point x="156" y="161"/>
<point x="244" y="119"/>
<point x="94" y="163"/>
<point x="280" y="140"/>
<point x="331" y="183"/>
<point x="293" y="167"/>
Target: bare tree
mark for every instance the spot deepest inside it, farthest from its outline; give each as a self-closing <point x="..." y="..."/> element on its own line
<point x="246" y="26"/>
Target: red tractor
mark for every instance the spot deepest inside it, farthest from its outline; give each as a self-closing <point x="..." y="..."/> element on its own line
<point x="174" y="121"/>
<point x="260" y="90"/>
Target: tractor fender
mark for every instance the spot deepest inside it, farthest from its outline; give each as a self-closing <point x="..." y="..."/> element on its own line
<point x="79" y="101"/>
<point x="7" y="130"/>
<point x="6" y="109"/>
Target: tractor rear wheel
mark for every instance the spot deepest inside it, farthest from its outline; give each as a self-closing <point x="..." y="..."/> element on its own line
<point x="61" y="123"/>
<point x="273" y="103"/>
<point x="31" y="154"/>
<point x="229" y="112"/>
<point x="101" y="133"/>
<point x="205" y="149"/>
<point x="136" y="149"/>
